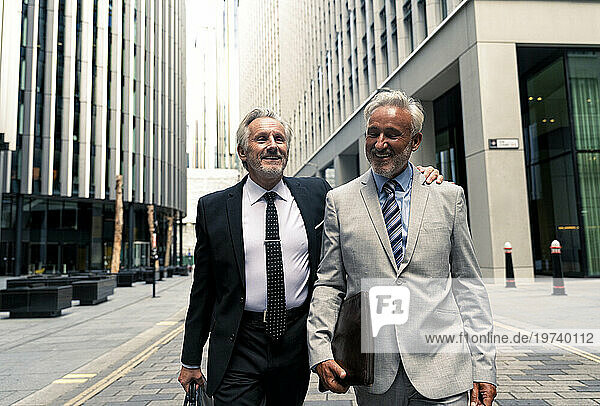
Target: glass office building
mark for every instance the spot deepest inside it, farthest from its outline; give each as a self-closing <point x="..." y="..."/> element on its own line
<point x="510" y="91"/>
<point x="560" y="104"/>
<point x="99" y="92"/>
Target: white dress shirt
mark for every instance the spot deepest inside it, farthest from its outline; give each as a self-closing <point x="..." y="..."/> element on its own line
<point x="294" y="246"/>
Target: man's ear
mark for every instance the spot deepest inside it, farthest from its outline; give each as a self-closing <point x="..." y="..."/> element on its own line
<point x="416" y="141"/>
<point x="241" y="153"/>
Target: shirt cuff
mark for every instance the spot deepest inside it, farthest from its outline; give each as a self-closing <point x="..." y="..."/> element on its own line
<point x="190" y="366"/>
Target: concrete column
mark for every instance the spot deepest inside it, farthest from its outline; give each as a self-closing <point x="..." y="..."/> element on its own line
<point x="346" y="168"/>
<point x="381" y="60"/>
<point x="496" y="178"/>
<point x="336" y="72"/>
<point x="346" y="78"/>
<point x="158" y="102"/>
<point x="49" y="92"/>
<point x="10" y="59"/>
<point x="371" y="74"/>
<point x="101" y="99"/>
<point x="403" y="45"/>
<point x="85" y="97"/>
<point x="139" y="117"/>
<point x="361" y="30"/>
<point x="149" y="103"/>
<point x="68" y="99"/>
<point x="128" y="100"/>
<point x="418" y="21"/>
<point x="392" y="46"/>
<point x="115" y="64"/>
<point x="363" y="164"/>
<point x="425" y="155"/>
<point x="434" y="14"/>
<point x="26" y="175"/>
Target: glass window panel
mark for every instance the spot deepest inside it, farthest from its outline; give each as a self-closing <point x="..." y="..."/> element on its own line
<point x="551" y="175"/>
<point x="589" y="168"/>
<point x="584" y="81"/>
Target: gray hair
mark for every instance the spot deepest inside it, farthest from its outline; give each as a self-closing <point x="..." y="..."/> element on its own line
<point x="243" y="132"/>
<point x="398" y="98"/>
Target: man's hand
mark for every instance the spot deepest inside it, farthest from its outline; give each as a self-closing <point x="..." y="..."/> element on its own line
<point x="483" y="393"/>
<point x="187" y="375"/>
<point x="431" y="174"/>
<point x="330" y="372"/>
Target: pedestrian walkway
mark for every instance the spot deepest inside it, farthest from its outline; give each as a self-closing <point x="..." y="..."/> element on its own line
<point x="558" y="374"/>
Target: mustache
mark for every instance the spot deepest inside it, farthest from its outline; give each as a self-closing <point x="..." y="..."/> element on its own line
<point x="271" y="155"/>
<point x="382" y="151"/>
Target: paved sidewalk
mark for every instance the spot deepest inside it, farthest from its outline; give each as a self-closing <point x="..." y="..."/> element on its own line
<point x="534" y="375"/>
<point x="38" y="356"/>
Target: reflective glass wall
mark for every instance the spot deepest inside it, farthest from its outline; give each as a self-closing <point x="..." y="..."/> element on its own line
<point x="559" y="101"/>
<point x="449" y="139"/>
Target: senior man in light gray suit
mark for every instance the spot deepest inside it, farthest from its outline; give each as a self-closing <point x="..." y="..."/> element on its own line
<point x="389" y="224"/>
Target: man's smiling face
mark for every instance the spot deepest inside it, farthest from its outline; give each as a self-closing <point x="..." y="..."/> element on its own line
<point x="266" y="154"/>
<point x="389" y="140"/>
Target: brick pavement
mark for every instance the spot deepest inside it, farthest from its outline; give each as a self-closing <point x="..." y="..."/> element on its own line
<point x="524" y="378"/>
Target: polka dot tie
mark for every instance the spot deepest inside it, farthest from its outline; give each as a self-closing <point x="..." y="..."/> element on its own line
<point x="393" y="220"/>
<point x="275" y="316"/>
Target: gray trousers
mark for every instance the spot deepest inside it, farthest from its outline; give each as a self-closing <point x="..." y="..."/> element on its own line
<point x="403" y="393"/>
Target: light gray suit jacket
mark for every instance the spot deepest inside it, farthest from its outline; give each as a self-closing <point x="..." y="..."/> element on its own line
<point x="439" y="268"/>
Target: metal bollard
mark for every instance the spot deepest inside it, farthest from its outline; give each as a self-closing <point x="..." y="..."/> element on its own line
<point x="510" y="273"/>
<point x="558" y="285"/>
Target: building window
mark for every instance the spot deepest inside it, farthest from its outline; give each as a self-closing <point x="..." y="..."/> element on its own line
<point x="444" y="8"/>
<point x="408" y="28"/>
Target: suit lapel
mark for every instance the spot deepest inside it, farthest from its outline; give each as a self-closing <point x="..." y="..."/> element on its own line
<point x="418" y="201"/>
<point x="370" y="198"/>
<point x="303" y="201"/>
<point x="234" y="218"/>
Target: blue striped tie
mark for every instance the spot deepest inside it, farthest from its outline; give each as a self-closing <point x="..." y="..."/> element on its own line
<point x="393" y="220"/>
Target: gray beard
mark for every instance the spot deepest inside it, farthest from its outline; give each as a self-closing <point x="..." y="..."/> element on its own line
<point x="398" y="162"/>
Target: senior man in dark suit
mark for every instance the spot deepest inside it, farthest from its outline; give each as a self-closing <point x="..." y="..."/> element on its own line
<point x="256" y="256"/>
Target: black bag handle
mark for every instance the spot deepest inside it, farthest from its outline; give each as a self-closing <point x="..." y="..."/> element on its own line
<point x="191" y="397"/>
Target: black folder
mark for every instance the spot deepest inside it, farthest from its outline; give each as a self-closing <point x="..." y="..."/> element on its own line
<point x="346" y="344"/>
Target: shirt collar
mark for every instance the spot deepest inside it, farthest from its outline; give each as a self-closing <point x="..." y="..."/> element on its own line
<point x="255" y="192"/>
<point x="404" y="179"/>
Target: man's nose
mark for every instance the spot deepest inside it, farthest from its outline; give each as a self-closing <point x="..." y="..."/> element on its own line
<point x="381" y="142"/>
<point x="271" y="143"/>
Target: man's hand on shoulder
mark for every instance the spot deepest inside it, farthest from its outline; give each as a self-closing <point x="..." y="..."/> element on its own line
<point x="483" y="393"/>
<point x="330" y="374"/>
<point x="187" y="375"/>
<point x="431" y="174"/>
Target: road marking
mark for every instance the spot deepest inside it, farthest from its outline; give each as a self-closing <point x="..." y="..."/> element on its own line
<point x="123" y="369"/>
<point x="571" y="349"/>
<point x="68" y="376"/>
<point x="72" y="380"/>
<point x="167" y="323"/>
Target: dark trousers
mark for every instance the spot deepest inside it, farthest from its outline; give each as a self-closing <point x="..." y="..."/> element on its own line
<point x="263" y="370"/>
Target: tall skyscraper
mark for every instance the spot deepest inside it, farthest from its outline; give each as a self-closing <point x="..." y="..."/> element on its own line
<point x="510" y="92"/>
<point x="213" y="84"/>
<point x="100" y="91"/>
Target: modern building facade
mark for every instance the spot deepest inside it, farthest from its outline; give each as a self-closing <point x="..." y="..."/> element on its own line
<point x="510" y="92"/>
<point x="212" y="105"/>
<point x="99" y="92"/>
<point x="212" y="84"/>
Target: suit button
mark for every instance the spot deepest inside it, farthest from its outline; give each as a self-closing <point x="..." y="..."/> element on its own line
<point x="242" y="300"/>
<point x="232" y="337"/>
